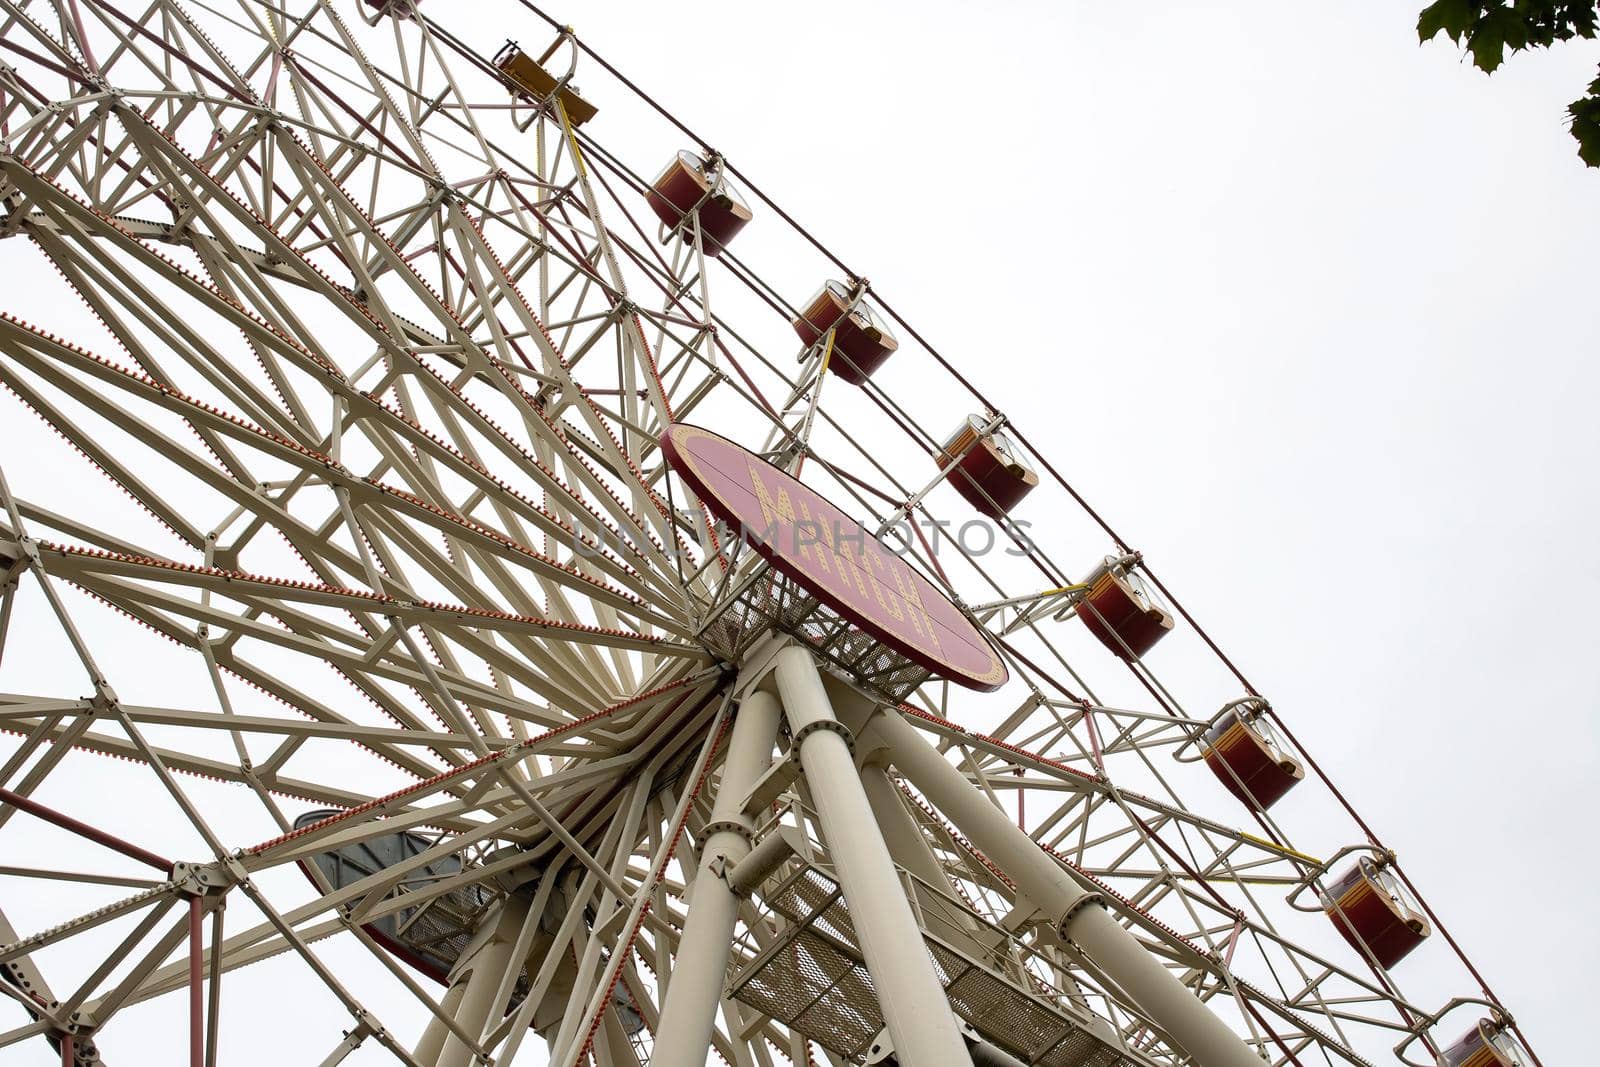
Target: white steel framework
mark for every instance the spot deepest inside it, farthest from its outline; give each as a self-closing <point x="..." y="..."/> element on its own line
<point x="344" y="529"/>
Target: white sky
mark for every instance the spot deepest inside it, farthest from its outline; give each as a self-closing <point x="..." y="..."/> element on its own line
<point x="1298" y="306"/>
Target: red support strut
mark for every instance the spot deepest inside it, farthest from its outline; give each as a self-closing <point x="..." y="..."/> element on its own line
<point x="197" y="999"/>
<point x="83" y="829"/>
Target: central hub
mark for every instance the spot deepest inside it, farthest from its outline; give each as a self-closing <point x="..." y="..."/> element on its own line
<point x="851" y="585"/>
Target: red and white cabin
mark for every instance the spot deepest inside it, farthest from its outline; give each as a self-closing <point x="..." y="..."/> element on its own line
<point x="690" y="188"/>
<point x="1486" y="1045"/>
<point x="1372" y="910"/>
<point x="400" y="9"/>
<point x="988" y="471"/>
<point x="1243" y="750"/>
<point x="1121" y="611"/>
<point x="861" y="340"/>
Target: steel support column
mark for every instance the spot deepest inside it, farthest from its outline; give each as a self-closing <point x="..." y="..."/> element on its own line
<point x="1071" y="905"/>
<point x="914" y="1006"/>
<point x="471" y="997"/>
<point x="694" y="987"/>
<point x="611" y="1045"/>
<point x="909" y="849"/>
<point x="197" y="996"/>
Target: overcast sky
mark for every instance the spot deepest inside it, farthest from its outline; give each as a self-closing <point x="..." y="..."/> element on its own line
<point x="1306" y="311"/>
<point x="1346" y="285"/>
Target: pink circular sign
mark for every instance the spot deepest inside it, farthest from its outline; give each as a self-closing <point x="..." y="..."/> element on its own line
<point x="838" y="562"/>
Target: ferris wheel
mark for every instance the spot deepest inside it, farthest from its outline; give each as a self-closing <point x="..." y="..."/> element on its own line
<point x="524" y="630"/>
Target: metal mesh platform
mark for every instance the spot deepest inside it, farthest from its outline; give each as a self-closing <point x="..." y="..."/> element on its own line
<point x="813" y="979"/>
<point x="431" y="935"/>
<point x="764" y="600"/>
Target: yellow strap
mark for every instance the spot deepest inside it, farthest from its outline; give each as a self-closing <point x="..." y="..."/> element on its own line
<point x="572" y="139"/>
<point x="827" y="350"/>
<point x="1264" y="843"/>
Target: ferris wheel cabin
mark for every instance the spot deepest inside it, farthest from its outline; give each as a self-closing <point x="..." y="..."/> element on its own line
<point x="989" y="471"/>
<point x="1122" y="612"/>
<point x="1486" y="1045"/>
<point x="1242" y="749"/>
<point x="1373" y="911"/>
<point x="691" y="188"/>
<point x="400" y="9"/>
<point x="530" y="80"/>
<point x="431" y="936"/>
<point x="861" y="340"/>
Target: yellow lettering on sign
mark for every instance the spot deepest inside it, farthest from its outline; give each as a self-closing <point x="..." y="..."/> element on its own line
<point x="889" y="603"/>
<point x="843" y="560"/>
<point x="779" y="515"/>
<point x="919" y="614"/>
<point x="781" y="509"/>
<point x="899" y="604"/>
<point x="809" y="532"/>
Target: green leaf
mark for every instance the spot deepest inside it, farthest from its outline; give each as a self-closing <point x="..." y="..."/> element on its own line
<point x="1496" y="30"/>
<point x="1585" y="27"/>
<point x="1454" y="17"/>
<point x="1488" y="27"/>
<point x="1580" y="17"/>
<point x="1585" y="114"/>
<point x="1514" y="29"/>
<point x="1487" y="45"/>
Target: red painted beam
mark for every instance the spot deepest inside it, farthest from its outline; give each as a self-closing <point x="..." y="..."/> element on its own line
<point x="83" y="829"/>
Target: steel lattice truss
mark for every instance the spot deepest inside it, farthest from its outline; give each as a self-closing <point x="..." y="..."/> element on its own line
<point x="356" y="362"/>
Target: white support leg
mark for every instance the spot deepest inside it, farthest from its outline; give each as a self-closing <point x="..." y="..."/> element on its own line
<point x="611" y="1045"/>
<point x="909" y="849"/>
<point x="1072" y="906"/>
<point x="431" y="1045"/>
<point x="914" y="1005"/>
<point x="695" y="986"/>
<point x="474" y="987"/>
